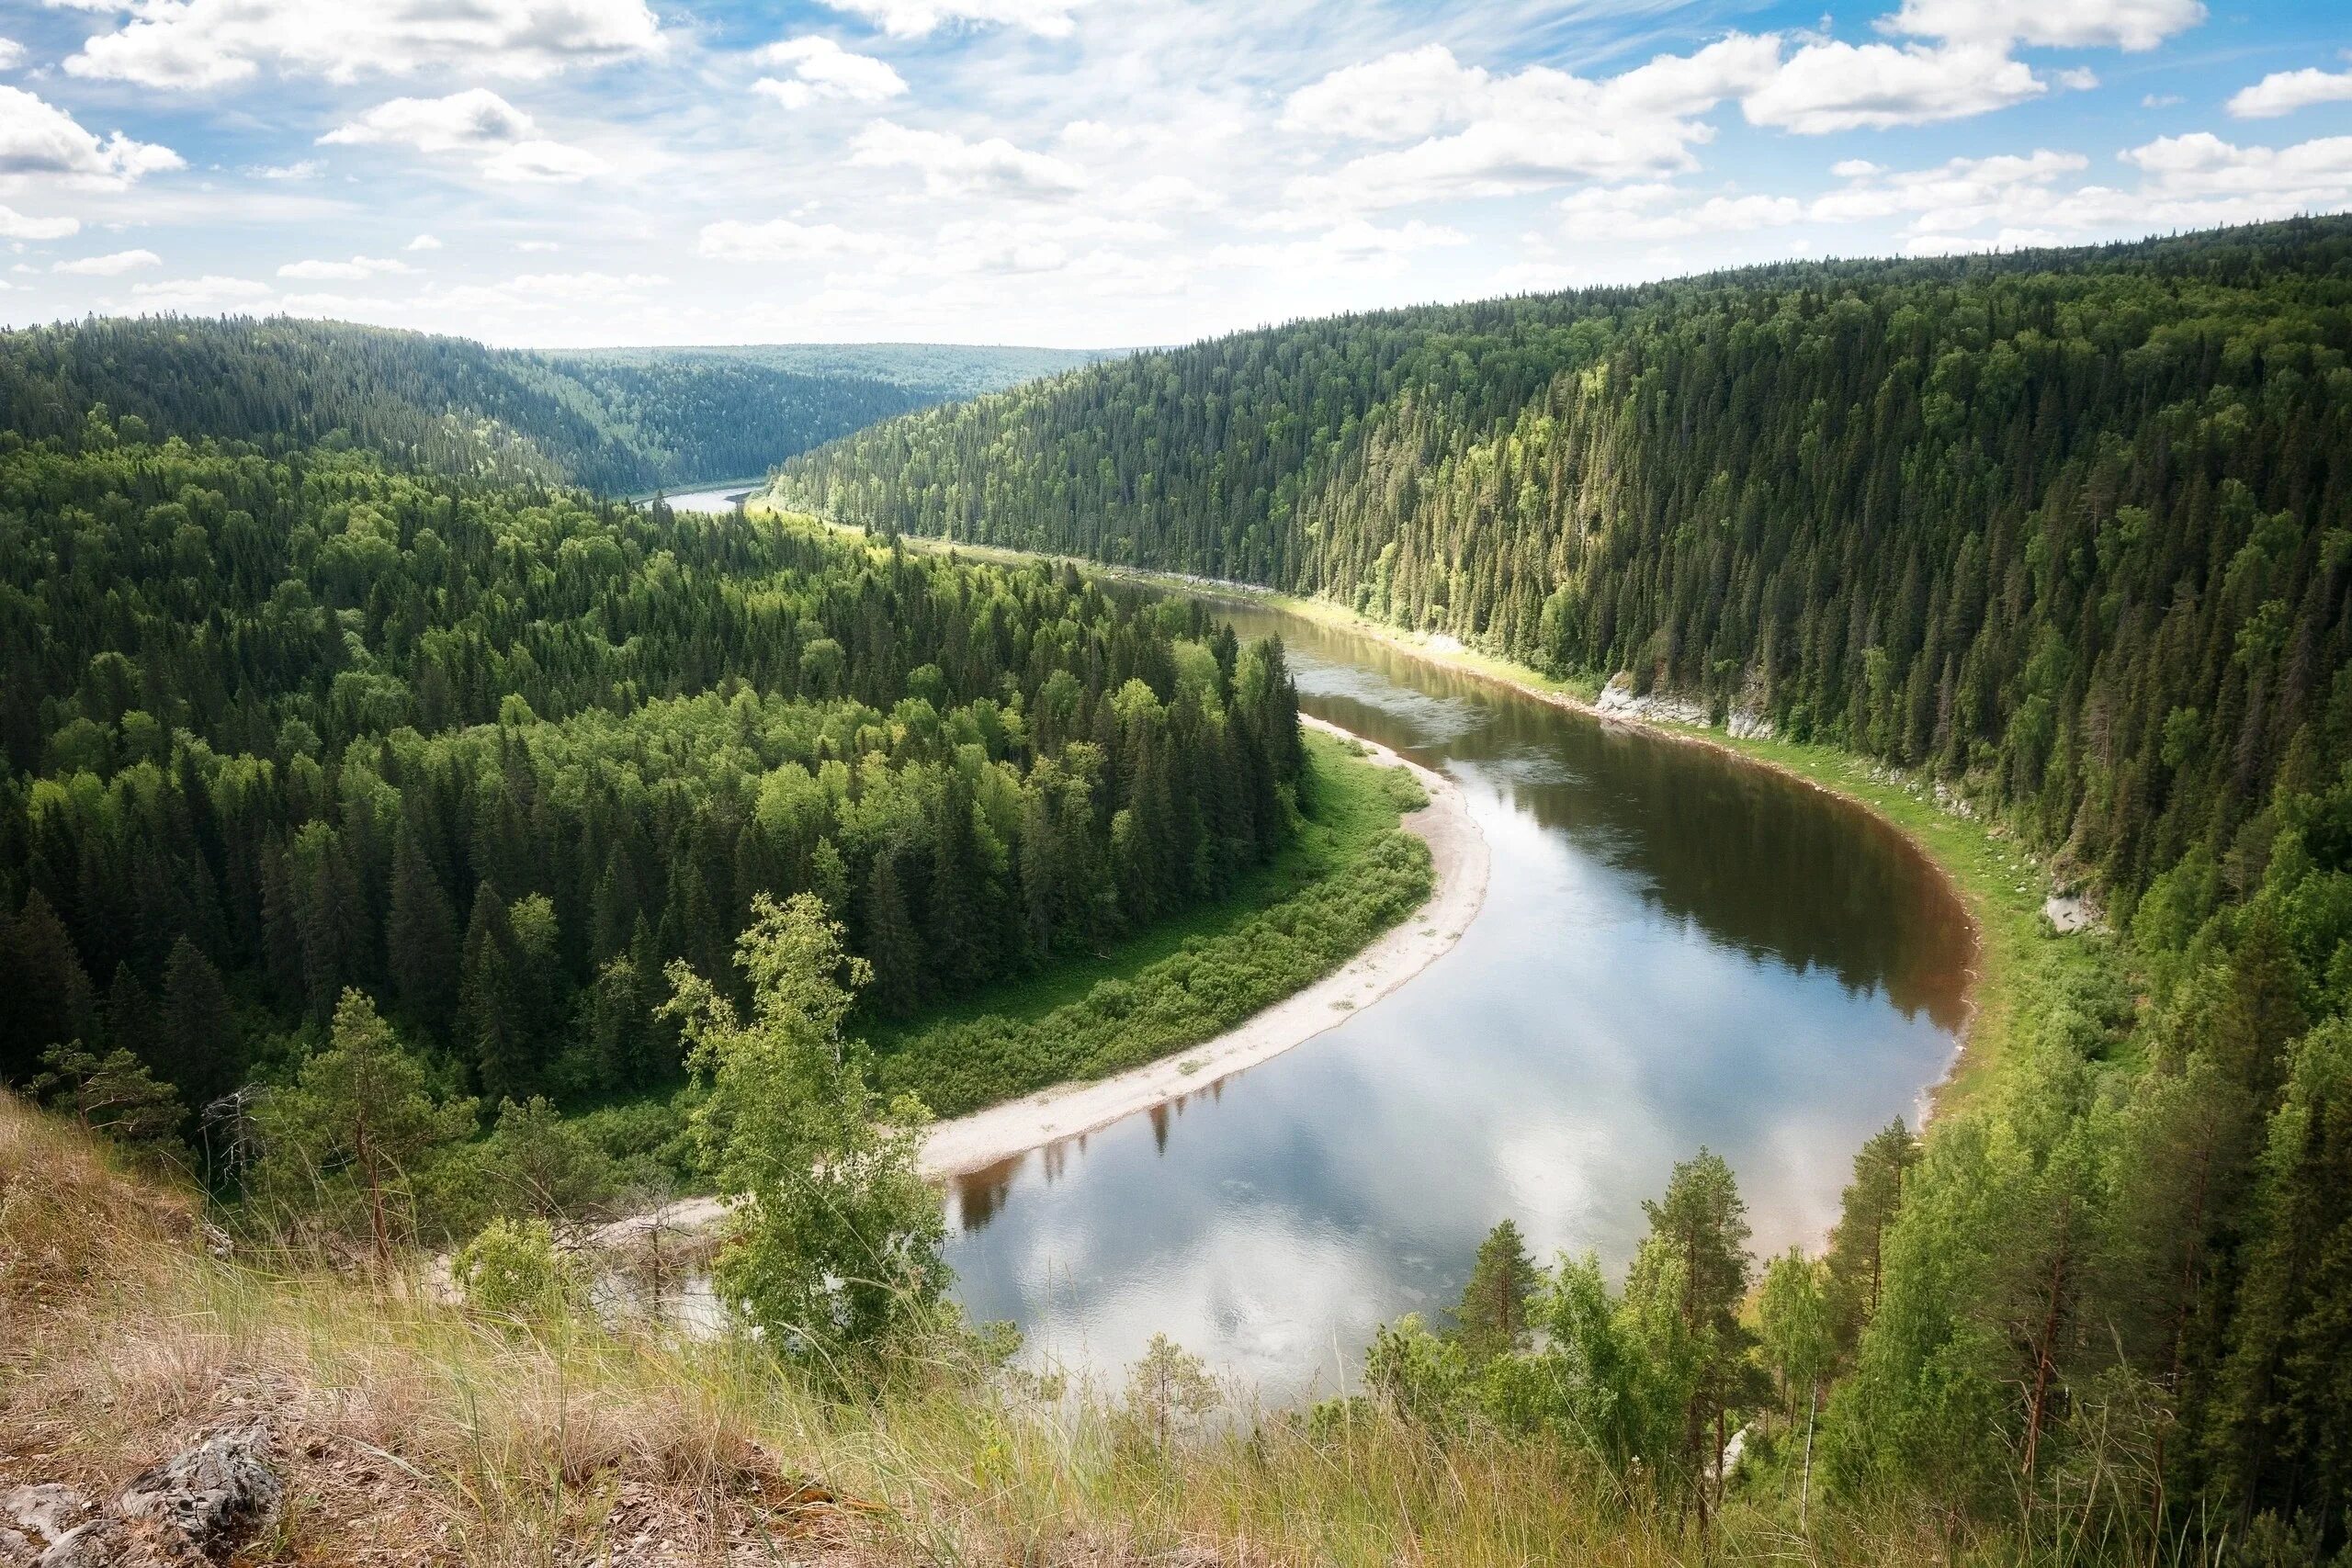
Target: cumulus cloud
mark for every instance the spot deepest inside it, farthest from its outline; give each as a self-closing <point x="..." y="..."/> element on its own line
<point x="2284" y="92"/>
<point x="1483" y="134"/>
<point x="2056" y="24"/>
<point x="504" y="139"/>
<point x="1475" y="132"/>
<point x="357" y="267"/>
<point x="778" y="239"/>
<point x="196" y="44"/>
<point x="424" y="242"/>
<point x="38" y="139"/>
<point x="208" y="295"/>
<point x="913" y="18"/>
<point x="1632" y="213"/>
<point x="1832" y="86"/>
<point x="1356" y="243"/>
<point x="113" y="266"/>
<point x="952" y="167"/>
<point x="16" y="225"/>
<point x="821" y="70"/>
<point x="11" y="53"/>
<point x="2194" y="181"/>
<point x="475" y="117"/>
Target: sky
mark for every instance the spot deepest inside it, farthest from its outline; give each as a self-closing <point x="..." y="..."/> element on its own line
<point x="1099" y="173"/>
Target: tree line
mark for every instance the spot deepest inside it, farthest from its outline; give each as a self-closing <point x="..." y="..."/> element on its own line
<point x="2069" y="532"/>
<point x="441" y="404"/>
<point x="282" y="727"/>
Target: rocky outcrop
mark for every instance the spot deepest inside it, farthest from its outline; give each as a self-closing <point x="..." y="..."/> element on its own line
<point x="196" y="1508"/>
<point x="1618" y="700"/>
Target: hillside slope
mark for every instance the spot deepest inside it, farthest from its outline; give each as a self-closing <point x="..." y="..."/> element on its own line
<point x="2069" y="533"/>
<point x="2057" y="523"/>
<point x="439" y="404"/>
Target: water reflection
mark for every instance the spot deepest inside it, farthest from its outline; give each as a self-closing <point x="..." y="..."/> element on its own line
<point x="1676" y="950"/>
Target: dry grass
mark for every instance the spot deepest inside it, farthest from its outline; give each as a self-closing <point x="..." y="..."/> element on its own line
<point x="414" y="1434"/>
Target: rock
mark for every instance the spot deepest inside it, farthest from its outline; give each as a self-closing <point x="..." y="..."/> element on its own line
<point x="213" y="1495"/>
<point x="47" y="1511"/>
<point x="16" y="1551"/>
<point x="98" y="1544"/>
<point x="2068" y="913"/>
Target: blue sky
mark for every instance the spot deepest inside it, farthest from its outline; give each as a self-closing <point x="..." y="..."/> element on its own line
<point x="1096" y="172"/>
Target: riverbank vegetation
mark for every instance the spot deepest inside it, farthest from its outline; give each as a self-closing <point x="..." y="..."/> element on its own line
<point x="2059" y="535"/>
<point x="279" y="728"/>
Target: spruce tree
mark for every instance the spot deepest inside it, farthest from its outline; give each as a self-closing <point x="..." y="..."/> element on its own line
<point x="1492" y="1319"/>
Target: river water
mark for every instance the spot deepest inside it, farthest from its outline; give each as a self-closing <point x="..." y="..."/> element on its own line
<point x="1676" y="950"/>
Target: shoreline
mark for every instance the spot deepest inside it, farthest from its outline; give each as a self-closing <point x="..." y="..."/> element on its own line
<point x="1979" y="968"/>
<point x="1459" y="865"/>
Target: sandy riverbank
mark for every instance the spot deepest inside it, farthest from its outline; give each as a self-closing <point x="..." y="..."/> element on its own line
<point x="1458" y="865"/>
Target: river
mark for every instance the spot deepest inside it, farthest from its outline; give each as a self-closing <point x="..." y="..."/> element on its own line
<point x="1676" y="949"/>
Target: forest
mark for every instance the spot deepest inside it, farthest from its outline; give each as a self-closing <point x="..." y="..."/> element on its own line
<point x="2067" y="535"/>
<point x="620" y="425"/>
<point x="283" y="727"/>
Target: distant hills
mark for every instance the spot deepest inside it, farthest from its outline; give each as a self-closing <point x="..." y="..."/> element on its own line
<point x="619" y="420"/>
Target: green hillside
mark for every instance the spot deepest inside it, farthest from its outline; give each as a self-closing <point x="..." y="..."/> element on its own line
<point x="2067" y="535"/>
<point x="439" y="404"/>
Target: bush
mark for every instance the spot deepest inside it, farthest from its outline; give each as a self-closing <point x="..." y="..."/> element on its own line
<point x="513" y="1269"/>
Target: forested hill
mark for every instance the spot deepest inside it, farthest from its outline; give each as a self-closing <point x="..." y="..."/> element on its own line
<point x="443" y="404"/>
<point x="2067" y="524"/>
<point x="938" y="372"/>
<point x="2069" y="530"/>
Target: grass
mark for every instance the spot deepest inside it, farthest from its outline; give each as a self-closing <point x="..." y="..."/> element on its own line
<point x="1347" y="875"/>
<point x="412" y="1431"/>
<point x="1346" y="809"/>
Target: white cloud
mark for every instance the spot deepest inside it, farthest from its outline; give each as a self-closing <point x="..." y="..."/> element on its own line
<point x="2077" y="79"/>
<point x="1534" y="128"/>
<point x="475" y="117"/>
<point x="357" y="266"/>
<point x="953" y="166"/>
<point x="301" y="169"/>
<point x="2187" y="182"/>
<point x="196" y="44"/>
<point x="113" y="266"/>
<point x="1957" y="195"/>
<point x="198" y="296"/>
<point x="1354" y="243"/>
<point x="16" y="225"/>
<point x="36" y="138"/>
<point x="913" y="18"/>
<point x="822" y="70"/>
<point x="1625" y="212"/>
<point x="1831" y="86"/>
<point x="538" y="246"/>
<point x="504" y="139"/>
<point x="423" y="243"/>
<point x="2159" y="100"/>
<point x="2057" y="24"/>
<point x="2283" y="92"/>
<point x="11" y="53"/>
<point x="542" y="162"/>
<point x="779" y="239"/>
<point x="1964" y="244"/>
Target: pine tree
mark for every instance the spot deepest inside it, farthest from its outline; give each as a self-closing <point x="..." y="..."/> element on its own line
<point x="420" y="945"/>
<point x="1492" y="1319"/>
<point x="891" y="946"/>
<point x="195" y="1038"/>
<point x="1856" y="1258"/>
<point x="357" y="1130"/>
<point x="48" y="1000"/>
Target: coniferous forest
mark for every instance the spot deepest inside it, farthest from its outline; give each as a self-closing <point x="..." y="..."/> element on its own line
<point x="2068" y="533"/>
<point x="282" y="725"/>
<point x="616" y="421"/>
